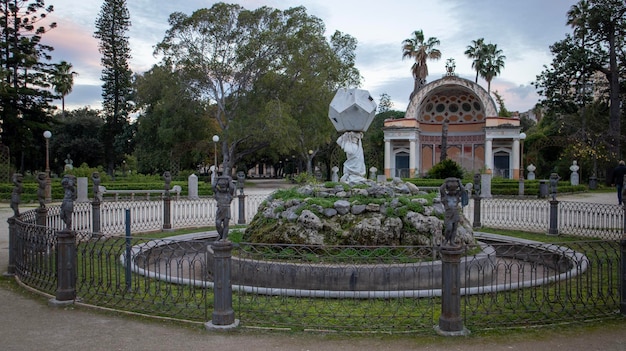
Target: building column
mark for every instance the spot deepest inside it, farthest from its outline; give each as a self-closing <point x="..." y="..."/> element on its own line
<point x="515" y="159"/>
<point x="412" y="157"/>
<point x="489" y="153"/>
<point x="387" y="159"/>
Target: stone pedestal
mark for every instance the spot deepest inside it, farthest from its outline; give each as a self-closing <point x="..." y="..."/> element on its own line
<point x="82" y="188"/>
<point x="242" y="209"/>
<point x="192" y="182"/>
<point x="485" y="185"/>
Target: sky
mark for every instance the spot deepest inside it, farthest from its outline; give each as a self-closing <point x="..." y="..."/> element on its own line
<point x="523" y="30"/>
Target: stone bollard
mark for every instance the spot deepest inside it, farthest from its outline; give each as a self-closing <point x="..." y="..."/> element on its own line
<point x="66" y="269"/>
<point x="223" y="313"/>
<point x="192" y="182"/>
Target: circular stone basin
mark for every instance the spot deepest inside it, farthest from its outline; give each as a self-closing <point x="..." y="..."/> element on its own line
<point x="551" y="263"/>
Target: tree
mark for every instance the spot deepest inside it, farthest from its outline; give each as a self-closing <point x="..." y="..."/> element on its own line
<point x="261" y="74"/>
<point x="492" y="64"/>
<point x="25" y="94"/>
<point x="77" y="134"/>
<point x="601" y="25"/>
<point x="420" y="51"/>
<point x="111" y="27"/>
<point x="384" y="103"/>
<point x="173" y="127"/>
<point x="63" y="81"/>
<point x="502" y="111"/>
<point x="476" y="52"/>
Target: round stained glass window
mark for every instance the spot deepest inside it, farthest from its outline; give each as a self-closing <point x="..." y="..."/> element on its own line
<point x="440" y="107"/>
<point x="453" y="107"/>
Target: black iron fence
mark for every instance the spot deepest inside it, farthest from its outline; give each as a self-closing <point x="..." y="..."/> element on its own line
<point x="372" y="289"/>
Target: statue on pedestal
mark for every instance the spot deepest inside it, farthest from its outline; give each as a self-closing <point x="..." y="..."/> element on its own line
<point x="67" y="206"/>
<point x="16" y="195"/>
<point x="451" y="192"/>
<point x="224" y="190"/>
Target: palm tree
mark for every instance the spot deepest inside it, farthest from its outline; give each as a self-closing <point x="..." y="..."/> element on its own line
<point x="476" y="52"/>
<point x="63" y="80"/>
<point x="420" y="51"/>
<point x="494" y="62"/>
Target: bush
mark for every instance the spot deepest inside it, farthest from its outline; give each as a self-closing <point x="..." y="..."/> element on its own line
<point x="446" y="169"/>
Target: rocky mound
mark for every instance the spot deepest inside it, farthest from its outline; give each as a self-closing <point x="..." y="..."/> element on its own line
<point x="393" y="213"/>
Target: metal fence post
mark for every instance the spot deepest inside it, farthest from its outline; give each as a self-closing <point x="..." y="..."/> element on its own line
<point x="66" y="268"/>
<point x="12" y="247"/>
<point x="42" y="215"/>
<point x="622" y="303"/>
<point x="242" y="209"/>
<point x="223" y="314"/>
<point x="450" y="321"/>
<point x="477" y="223"/>
<point x="167" y="220"/>
<point x="554" y="218"/>
<point x="95" y="218"/>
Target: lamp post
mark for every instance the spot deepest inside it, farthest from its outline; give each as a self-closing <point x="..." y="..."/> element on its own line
<point x="309" y="165"/>
<point x="47" y="135"/>
<point x="522" y="136"/>
<point x="216" y="139"/>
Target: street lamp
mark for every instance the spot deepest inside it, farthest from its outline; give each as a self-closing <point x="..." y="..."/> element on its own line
<point x="47" y="135"/>
<point x="310" y="163"/>
<point x="216" y="138"/>
<point x="522" y="136"/>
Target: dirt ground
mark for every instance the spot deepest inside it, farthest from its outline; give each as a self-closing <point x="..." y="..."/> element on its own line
<point x="28" y="323"/>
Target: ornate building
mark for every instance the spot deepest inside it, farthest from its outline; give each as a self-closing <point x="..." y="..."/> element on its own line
<point x="477" y="138"/>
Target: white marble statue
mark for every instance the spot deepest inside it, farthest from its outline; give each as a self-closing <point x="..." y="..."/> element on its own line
<point x="354" y="167"/>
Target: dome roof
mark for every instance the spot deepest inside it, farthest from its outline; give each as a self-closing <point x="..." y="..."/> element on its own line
<point x="459" y="100"/>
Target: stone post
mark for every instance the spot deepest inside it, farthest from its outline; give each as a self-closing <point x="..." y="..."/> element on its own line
<point x="12" y="248"/>
<point x="554" y="218"/>
<point x="66" y="268"/>
<point x="192" y="182"/>
<point x="242" y="209"/>
<point x="450" y="321"/>
<point x="223" y="314"/>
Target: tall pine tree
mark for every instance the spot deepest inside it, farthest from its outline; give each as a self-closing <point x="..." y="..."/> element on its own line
<point x="111" y="27"/>
<point x="25" y="96"/>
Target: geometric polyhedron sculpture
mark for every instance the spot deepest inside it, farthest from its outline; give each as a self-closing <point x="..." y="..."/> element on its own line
<point x="352" y="110"/>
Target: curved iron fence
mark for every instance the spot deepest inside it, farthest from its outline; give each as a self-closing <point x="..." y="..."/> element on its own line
<point x="173" y="278"/>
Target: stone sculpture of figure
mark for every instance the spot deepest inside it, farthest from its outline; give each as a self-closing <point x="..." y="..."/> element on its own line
<point x="67" y="206"/>
<point x="224" y="190"/>
<point x="241" y="177"/>
<point x="451" y="192"/>
<point x="477" y="181"/>
<point x="167" y="178"/>
<point x="554" y="180"/>
<point x="95" y="177"/>
<point x="16" y="195"/>
<point x="69" y="164"/>
<point x="41" y="189"/>
<point x="574" y="178"/>
<point x="354" y="167"/>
